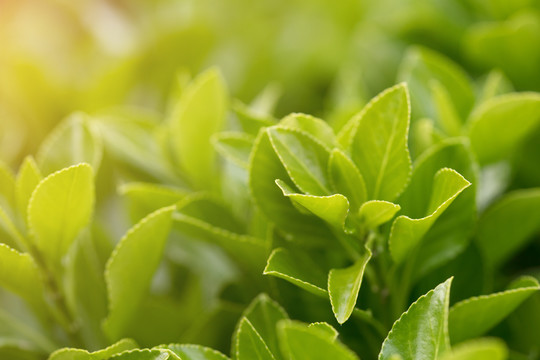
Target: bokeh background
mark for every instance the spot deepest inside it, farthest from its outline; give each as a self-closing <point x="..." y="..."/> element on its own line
<point x="321" y="57"/>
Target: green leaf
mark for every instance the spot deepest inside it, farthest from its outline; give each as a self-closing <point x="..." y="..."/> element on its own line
<point x="407" y="233"/>
<point x="60" y="207"/>
<point x="506" y="226"/>
<point x="85" y="290"/>
<point x="200" y="113"/>
<point x="496" y="83"/>
<point x="325" y="328"/>
<point x="79" y="354"/>
<point x="202" y="218"/>
<point x="72" y="142"/>
<point x="195" y="352"/>
<point x="492" y="44"/>
<point x="448" y="116"/>
<point x="298" y="341"/>
<point x="21" y="333"/>
<point x="304" y="158"/>
<point x="131" y="267"/>
<point x="492" y="135"/>
<point x="7" y="188"/>
<point x="146" y="354"/>
<point x="423" y="136"/>
<point x="265" y="168"/>
<point x="332" y="208"/>
<point x="144" y="198"/>
<point x="131" y="137"/>
<point x="475" y="316"/>
<point x="379" y="146"/>
<point x="251" y="121"/>
<point x="344" y="285"/>
<point x="20" y="274"/>
<point x="249" y="344"/>
<point x="345" y="178"/>
<point x="422" y="69"/>
<point x="376" y="212"/>
<point x="318" y="128"/>
<point x="264" y="314"/>
<point x="422" y="331"/>
<point x="15" y="239"/>
<point x="480" y="349"/>
<point x="266" y="100"/>
<point x="28" y="178"/>
<point x="298" y="270"/>
<point x="451" y="233"/>
<point x="234" y="146"/>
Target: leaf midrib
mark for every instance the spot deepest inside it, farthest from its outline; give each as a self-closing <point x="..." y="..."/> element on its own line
<point x="386" y="154"/>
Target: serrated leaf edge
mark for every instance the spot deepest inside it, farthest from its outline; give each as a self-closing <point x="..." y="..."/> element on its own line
<point x="368" y="107"/>
<point x="450" y="199"/>
<point x="334" y="196"/>
<point x="319" y="290"/>
<point x="303" y="133"/>
<point x="447" y="302"/>
<point x="237" y="337"/>
<point x="120" y="244"/>
<point x="194" y="346"/>
<point x="63" y="350"/>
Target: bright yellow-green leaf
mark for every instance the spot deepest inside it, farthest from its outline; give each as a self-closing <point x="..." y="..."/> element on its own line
<point x="28" y="178"/>
<point x="318" y="128"/>
<point x="421" y="68"/>
<point x="325" y="328"/>
<point x="265" y="167"/>
<point x="298" y="270"/>
<point x="234" y="146"/>
<point x="379" y="146"/>
<point x="249" y="344"/>
<point x="304" y="158"/>
<point x="448" y="116"/>
<point x="195" y="352"/>
<point x="496" y="83"/>
<point x="344" y="285"/>
<point x="421" y="333"/>
<point x="345" y="178"/>
<point x="72" y="142"/>
<point x="146" y="354"/>
<point x="79" y="354"/>
<point x="144" y="198"/>
<point x="407" y="233"/>
<point x="332" y="208"/>
<point x="200" y="113"/>
<point x="20" y="275"/>
<point x="7" y="188"/>
<point x="493" y="133"/>
<point x="131" y="137"/>
<point x="300" y="342"/>
<point x="376" y="212"/>
<point x="60" y="207"/>
<point x="131" y="267"/>
<point x="263" y="314"/>
<point x="204" y="219"/>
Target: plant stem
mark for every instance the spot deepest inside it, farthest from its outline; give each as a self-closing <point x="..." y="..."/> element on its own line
<point x="60" y="310"/>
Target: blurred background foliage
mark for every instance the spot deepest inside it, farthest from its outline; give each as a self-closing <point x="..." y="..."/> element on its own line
<point x="127" y="65"/>
<point x="325" y="58"/>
